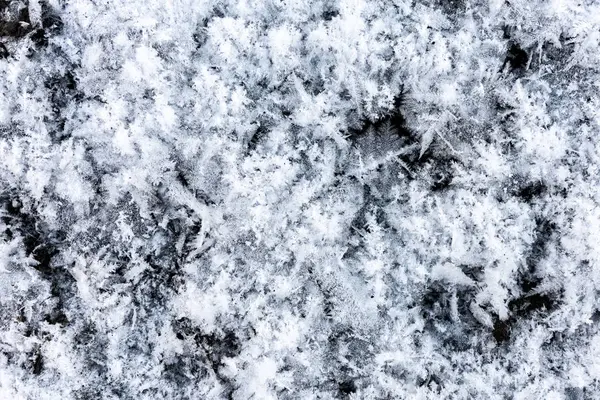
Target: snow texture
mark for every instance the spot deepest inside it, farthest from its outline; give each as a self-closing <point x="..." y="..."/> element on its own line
<point x="322" y="199"/>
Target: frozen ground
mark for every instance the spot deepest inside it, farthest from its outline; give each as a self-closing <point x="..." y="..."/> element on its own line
<point x="294" y="199"/>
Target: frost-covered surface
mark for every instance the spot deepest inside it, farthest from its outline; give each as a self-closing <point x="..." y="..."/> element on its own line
<point x="263" y="199"/>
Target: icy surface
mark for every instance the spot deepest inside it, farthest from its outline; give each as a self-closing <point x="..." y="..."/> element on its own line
<point x="264" y="199"/>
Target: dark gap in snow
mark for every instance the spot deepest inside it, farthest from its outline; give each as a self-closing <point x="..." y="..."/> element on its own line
<point x="502" y="330"/>
<point x="182" y="224"/>
<point x="42" y="253"/>
<point x="63" y="289"/>
<point x="200" y="36"/>
<point x="558" y="53"/>
<point x="3" y="51"/>
<point x="380" y="135"/>
<point x="215" y="346"/>
<point x="39" y="38"/>
<point x="400" y="100"/>
<point x="431" y="381"/>
<point x="12" y="29"/>
<point x="219" y="11"/>
<point x="157" y="284"/>
<point x="328" y="306"/>
<point x="17" y="23"/>
<point x="344" y="94"/>
<point x="256" y="137"/>
<point x="315" y="85"/>
<point x="532" y="301"/>
<point x="506" y="115"/>
<point x="92" y="345"/>
<point x="329" y="13"/>
<point x="473" y="271"/>
<point x="381" y="218"/>
<point x="436" y="309"/>
<point x="86" y="334"/>
<point x="439" y="168"/>
<point x="342" y="374"/>
<point x="63" y="91"/>
<point x="454" y="9"/>
<point x="41" y="244"/>
<point x="530" y="191"/>
<point x="507" y="31"/>
<point x="23" y="14"/>
<point x="574" y="393"/>
<point x="545" y="231"/>
<point x="38" y="364"/>
<point x="516" y="58"/>
<point x="441" y="181"/>
<point x="525" y="305"/>
<point x="595" y="317"/>
<point x="89" y="393"/>
<point x="360" y="220"/>
<point x="219" y="346"/>
<point x="34" y="362"/>
<point x="393" y="120"/>
<point x="57" y="316"/>
<point x="185" y="369"/>
<point x="149" y="94"/>
<point x="165" y="270"/>
<point x="14" y="19"/>
<point x="347" y="387"/>
<point x="119" y="391"/>
<point x="51" y="21"/>
<point x="371" y="205"/>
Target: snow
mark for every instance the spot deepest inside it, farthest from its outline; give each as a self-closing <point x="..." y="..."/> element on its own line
<point x="357" y="199"/>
